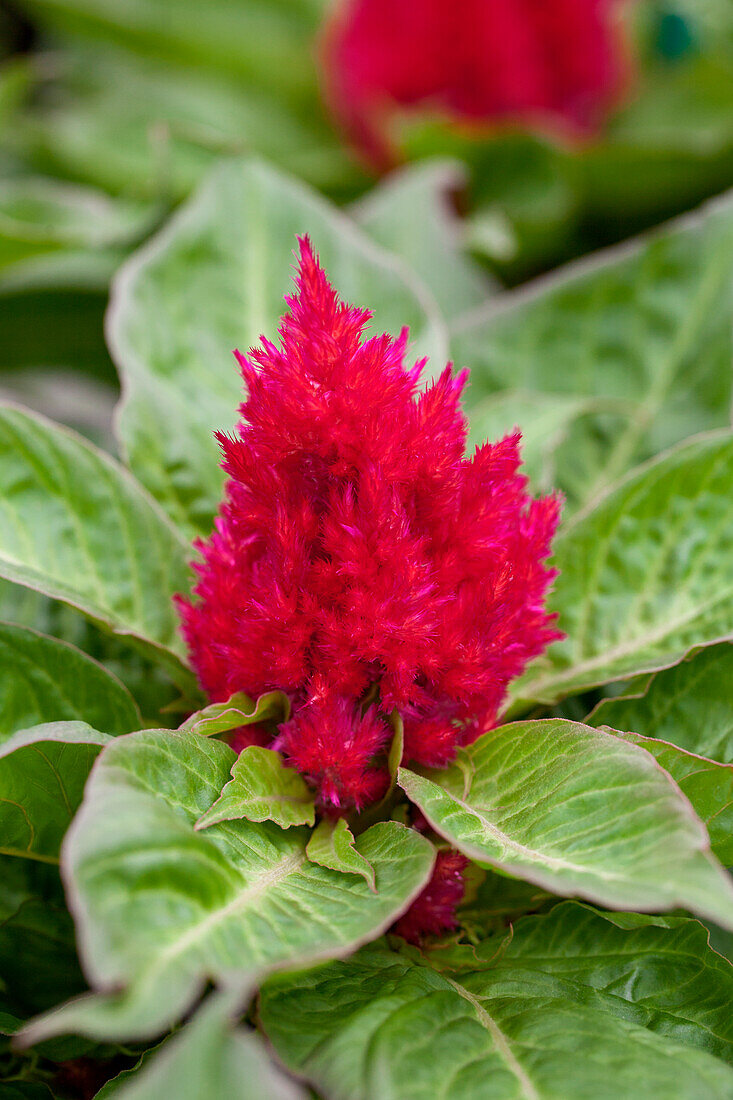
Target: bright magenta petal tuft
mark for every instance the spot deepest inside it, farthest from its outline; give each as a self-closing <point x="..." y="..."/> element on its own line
<point x="360" y="563"/>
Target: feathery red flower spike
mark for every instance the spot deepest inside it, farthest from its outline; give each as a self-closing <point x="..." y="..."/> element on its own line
<point x="360" y="563"/>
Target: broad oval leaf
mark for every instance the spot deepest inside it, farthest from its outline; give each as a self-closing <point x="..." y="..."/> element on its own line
<point x="47" y="680"/>
<point x="643" y="330"/>
<point x="224" y="904"/>
<point x="645" y="575"/>
<point x="262" y="788"/>
<point x="212" y="280"/>
<point x="575" y="1007"/>
<point x="332" y="845"/>
<point x="42" y="775"/>
<point x="411" y="213"/>
<point x="689" y="705"/>
<point x="707" y="784"/>
<point x="76" y="526"/>
<point x="208" y="1057"/>
<point x="577" y="811"/>
<point x="545" y="421"/>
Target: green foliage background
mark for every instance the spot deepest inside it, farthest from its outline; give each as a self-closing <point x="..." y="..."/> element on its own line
<point x="200" y="937"/>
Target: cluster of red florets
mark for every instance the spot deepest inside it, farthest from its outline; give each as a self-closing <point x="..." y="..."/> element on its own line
<point x="433" y="912"/>
<point x="360" y="563"/>
<point x="538" y="61"/>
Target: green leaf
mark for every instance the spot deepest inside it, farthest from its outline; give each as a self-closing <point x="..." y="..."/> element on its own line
<point x="662" y="965"/>
<point x="707" y="784"/>
<point x="77" y="527"/>
<point x="410" y="213"/>
<point x="38" y="959"/>
<point x="27" y="1090"/>
<point x="332" y="845"/>
<point x="262" y="788"/>
<point x="225" y="904"/>
<point x="545" y="421"/>
<point x="214" y="279"/>
<point x="577" y="811"/>
<point x="645" y="575"/>
<point x="56" y="328"/>
<point x="500" y="901"/>
<point x="45" y="679"/>
<point x="138" y="126"/>
<point x="209" y="1057"/>
<point x="642" y="328"/>
<point x="41" y="215"/>
<point x="577" y="1006"/>
<point x="669" y="146"/>
<point x="239" y="710"/>
<point x="42" y="775"/>
<point x="690" y="705"/>
<point x="263" y="44"/>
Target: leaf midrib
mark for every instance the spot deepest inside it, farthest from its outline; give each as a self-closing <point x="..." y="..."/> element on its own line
<point x="553" y="863"/>
<point x="501" y="1042"/>
<point x="242" y="901"/>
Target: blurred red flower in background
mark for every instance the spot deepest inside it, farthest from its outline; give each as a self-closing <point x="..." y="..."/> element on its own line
<point x="558" y="64"/>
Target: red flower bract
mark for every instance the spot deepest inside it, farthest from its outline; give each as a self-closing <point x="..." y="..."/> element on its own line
<point x="538" y="61"/>
<point x="359" y="562"/>
<point x="434" y="911"/>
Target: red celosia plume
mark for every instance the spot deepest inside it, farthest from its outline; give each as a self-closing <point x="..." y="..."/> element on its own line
<point x="434" y="911"/>
<point x="360" y="563"/>
<point x="537" y="61"/>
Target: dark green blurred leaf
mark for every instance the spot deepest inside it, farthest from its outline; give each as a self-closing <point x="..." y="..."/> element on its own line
<point x="411" y="214"/>
<point x="45" y="680"/>
<point x="38" y="963"/>
<point x="42" y="775"/>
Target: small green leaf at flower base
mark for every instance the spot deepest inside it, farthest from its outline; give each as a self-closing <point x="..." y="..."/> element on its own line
<point x="397" y="748"/>
<point x="333" y="845"/>
<point x="240" y="710"/>
<point x="577" y="811"/>
<point x="262" y="788"/>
